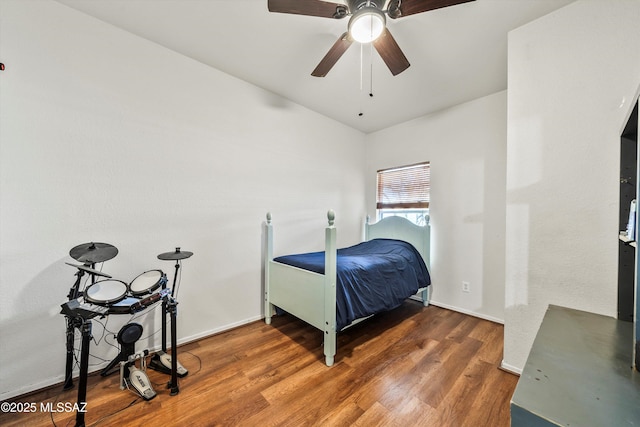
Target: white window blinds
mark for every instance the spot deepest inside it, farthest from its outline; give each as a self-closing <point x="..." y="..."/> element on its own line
<point x="405" y="187"/>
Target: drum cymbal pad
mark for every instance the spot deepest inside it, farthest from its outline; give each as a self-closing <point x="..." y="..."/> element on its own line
<point x="176" y="255"/>
<point x="93" y="252"/>
<point x="89" y="270"/>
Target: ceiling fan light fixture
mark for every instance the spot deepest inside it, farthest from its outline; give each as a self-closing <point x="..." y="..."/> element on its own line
<point x="367" y="24"/>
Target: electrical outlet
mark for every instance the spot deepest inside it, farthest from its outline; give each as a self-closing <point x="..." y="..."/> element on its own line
<point x="466" y="287"/>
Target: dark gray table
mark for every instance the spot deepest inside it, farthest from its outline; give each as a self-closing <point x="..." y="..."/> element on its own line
<point x="578" y="374"/>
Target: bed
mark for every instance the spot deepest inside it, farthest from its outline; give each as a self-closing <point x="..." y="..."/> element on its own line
<point x="336" y="288"/>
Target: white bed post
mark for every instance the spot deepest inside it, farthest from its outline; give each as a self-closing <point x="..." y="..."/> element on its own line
<point x="426" y="296"/>
<point x="366" y="228"/>
<point x="268" y="307"/>
<point x="330" y="270"/>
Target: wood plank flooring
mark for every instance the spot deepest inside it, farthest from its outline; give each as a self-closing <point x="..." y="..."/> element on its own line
<point x="413" y="366"/>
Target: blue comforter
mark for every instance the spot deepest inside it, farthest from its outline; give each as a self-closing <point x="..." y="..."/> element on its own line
<point x="373" y="276"/>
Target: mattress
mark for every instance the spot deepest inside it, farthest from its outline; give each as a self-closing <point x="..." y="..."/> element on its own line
<point x="372" y="277"/>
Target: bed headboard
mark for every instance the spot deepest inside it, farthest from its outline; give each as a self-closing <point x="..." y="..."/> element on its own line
<point x="396" y="227"/>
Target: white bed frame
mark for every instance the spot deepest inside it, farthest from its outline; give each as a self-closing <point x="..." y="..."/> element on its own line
<point x="311" y="296"/>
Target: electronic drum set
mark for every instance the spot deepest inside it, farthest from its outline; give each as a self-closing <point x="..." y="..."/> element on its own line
<point x="110" y="296"/>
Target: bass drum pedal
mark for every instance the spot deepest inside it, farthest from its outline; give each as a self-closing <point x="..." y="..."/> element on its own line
<point x="140" y="381"/>
<point x="130" y="374"/>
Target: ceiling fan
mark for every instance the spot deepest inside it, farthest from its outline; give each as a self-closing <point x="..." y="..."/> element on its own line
<point x="366" y="25"/>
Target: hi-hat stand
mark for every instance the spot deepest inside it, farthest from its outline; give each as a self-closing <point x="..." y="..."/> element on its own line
<point x="162" y="361"/>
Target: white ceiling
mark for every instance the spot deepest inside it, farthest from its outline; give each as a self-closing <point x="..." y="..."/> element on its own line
<point x="457" y="54"/>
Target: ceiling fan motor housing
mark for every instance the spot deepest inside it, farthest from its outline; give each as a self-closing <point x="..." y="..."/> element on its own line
<point x="355" y="5"/>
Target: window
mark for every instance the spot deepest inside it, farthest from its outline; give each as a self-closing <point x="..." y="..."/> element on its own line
<point x="404" y="191"/>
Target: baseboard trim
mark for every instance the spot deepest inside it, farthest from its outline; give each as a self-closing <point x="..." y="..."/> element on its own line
<point x="467" y="312"/>
<point x="510" y="368"/>
<point x="216" y="331"/>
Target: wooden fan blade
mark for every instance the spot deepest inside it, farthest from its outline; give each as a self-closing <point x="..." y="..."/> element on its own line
<point x="391" y="53"/>
<point x="411" y="7"/>
<point x="319" y="8"/>
<point x="330" y="59"/>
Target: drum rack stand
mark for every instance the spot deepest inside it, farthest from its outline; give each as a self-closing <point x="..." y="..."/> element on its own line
<point x="84" y="326"/>
<point x="72" y="323"/>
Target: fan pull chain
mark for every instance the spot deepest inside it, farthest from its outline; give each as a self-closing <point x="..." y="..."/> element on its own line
<point x="360" y="114"/>
<point x="371" y="70"/>
<point x="362" y="75"/>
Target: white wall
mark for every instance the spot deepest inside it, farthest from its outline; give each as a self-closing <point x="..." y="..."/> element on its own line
<point x="107" y="137"/>
<point x="573" y="75"/>
<point x="466" y="146"/>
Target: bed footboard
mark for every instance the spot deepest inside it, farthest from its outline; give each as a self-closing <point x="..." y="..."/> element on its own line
<point x="298" y="291"/>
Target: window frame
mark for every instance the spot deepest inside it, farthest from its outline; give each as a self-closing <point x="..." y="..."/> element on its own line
<point x="411" y="203"/>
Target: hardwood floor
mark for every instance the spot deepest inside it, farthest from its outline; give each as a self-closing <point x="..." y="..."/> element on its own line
<point x="413" y="366"/>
